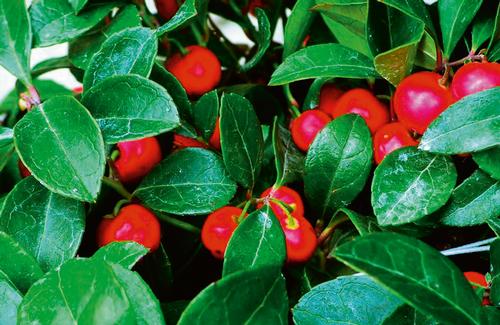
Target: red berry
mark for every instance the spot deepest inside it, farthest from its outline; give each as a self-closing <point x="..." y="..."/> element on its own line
<point x="181" y="142"/>
<point x="479" y="279"/>
<point x="198" y="71"/>
<point x="167" y="8"/>
<point x="301" y="240"/>
<point x="252" y="5"/>
<point x="305" y="127"/>
<point x="23" y="170"/>
<point x="475" y="77"/>
<point x="78" y="90"/>
<point x="362" y="102"/>
<point x="133" y="223"/>
<point x="419" y="99"/>
<point x="215" y="137"/>
<point x="328" y="98"/>
<point x="390" y="137"/>
<point x="218" y="229"/>
<point x="137" y="158"/>
<point x="285" y="195"/>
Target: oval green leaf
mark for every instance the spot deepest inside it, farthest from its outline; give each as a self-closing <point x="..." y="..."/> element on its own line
<point x="205" y="113"/>
<point x="184" y="15"/>
<point x="297" y="26"/>
<point x="6" y="145"/>
<point x="289" y="160"/>
<point x="488" y="160"/>
<point x="10" y="299"/>
<point x="262" y="37"/>
<point x="125" y="253"/>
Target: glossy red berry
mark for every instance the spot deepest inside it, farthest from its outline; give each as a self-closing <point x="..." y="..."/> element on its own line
<point x="362" y="102"/>
<point x="181" y="141"/>
<point x="390" y="137"/>
<point x="419" y="99"/>
<point x="167" y="8"/>
<point x="480" y="280"/>
<point x="285" y="195"/>
<point x="133" y="223"/>
<point x="22" y="169"/>
<point x="301" y="240"/>
<point x="137" y="158"/>
<point x="215" y="137"/>
<point x="328" y="98"/>
<point x="475" y="77"/>
<point x="218" y="229"/>
<point x="199" y="71"/>
<point x="305" y="127"/>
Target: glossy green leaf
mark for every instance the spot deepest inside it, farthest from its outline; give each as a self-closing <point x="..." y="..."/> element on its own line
<point x="495" y="272"/>
<point x="205" y="113"/>
<point x="97" y="296"/>
<point x="263" y="38"/>
<point x="20" y="267"/>
<point x="325" y="60"/>
<point x="125" y="254"/>
<point x="394" y="65"/>
<point x="297" y="26"/>
<point x="494" y="53"/>
<point x="10" y="298"/>
<point x="338" y="163"/>
<point x="426" y="52"/>
<point x="417" y="273"/>
<point x="184" y="15"/>
<point x="410" y="184"/>
<point x="471" y="124"/>
<point x="495" y="37"/>
<point x="406" y="315"/>
<point x="241" y="139"/>
<point x="246" y="297"/>
<point x="131" y="107"/>
<point x="473" y="202"/>
<point x="6" y="145"/>
<point x="414" y="8"/>
<point x="289" y="160"/>
<point x="488" y="160"/>
<point x="78" y="4"/>
<point x="454" y="18"/>
<point x="50" y="65"/>
<point x="312" y="98"/>
<point x="482" y="30"/>
<point x="55" y="21"/>
<point x="363" y="224"/>
<point x="190" y="181"/>
<point x="15" y="39"/>
<point x="346" y="300"/>
<point x="62" y="146"/>
<point x="257" y="242"/>
<point x="494" y="225"/>
<point x="131" y="51"/>
<point x="49" y="226"/>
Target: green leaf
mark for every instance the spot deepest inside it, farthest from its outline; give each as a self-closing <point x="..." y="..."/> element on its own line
<point x="482" y="30"/>
<point x="414" y="8"/>
<point x="312" y="98"/>
<point x="410" y="184"/>
<point x="495" y="37"/>
<point x="417" y="273"/>
<point x="247" y="297"/>
<point x="78" y="4"/>
<point x="131" y="107"/>
<point x="51" y="64"/>
<point x="54" y="21"/>
<point x="488" y="160"/>
<point x="205" y="113"/>
<point x="15" y="39"/>
<point x="257" y="242"/>
<point x="471" y="124"/>
<point x="325" y="60"/>
<point x="190" y="181"/>
<point x="346" y="300"/>
<point x="10" y="298"/>
<point x="494" y="53"/>
<point x="289" y="160"/>
<point x="363" y="224"/>
<point x="83" y="48"/>
<point x="406" y="315"/>
<point x="297" y="26"/>
<point x="6" y="145"/>
<point x="337" y="164"/>
<point x="262" y="37"/>
<point x="454" y="18"/>
<point x="494" y="225"/>
<point x="125" y="254"/>
<point x="131" y="51"/>
<point x="473" y="202"/>
<point x="97" y="296"/>
<point x="20" y="267"/>
<point x="495" y="272"/>
<point x="184" y="15"/>
<point x="173" y="310"/>
<point x="61" y="145"/>
<point x="49" y="226"/>
<point x="241" y="139"/>
<point x="426" y="52"/>
<point x="394" y="65"/>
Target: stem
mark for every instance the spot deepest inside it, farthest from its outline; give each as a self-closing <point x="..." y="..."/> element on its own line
<point x="197" y="35"/>
<point x="292" y="102"/>
<point x="244" y="212"/>
<point x="328" y="231"/>
<point x="179" y="46"/>
<point x="470" y="57"/>
<point x="118" y="206"/>
<point x="180" y="224"/>
<point x="118" y="187"/>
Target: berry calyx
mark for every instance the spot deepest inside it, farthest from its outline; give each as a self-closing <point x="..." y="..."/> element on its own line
<point x="133" y="223"/>
<point x="199" y="71"/>
<point x="167" y="8"/>
<point x="22" y="169"/>
<point x="390" y="137"/>
<point x="328" y="98"/>
<point x="305" y="127"/>
<point x="301" y="240"/>
<point x="362" y="102"/>
<point x="181" y="142"/>
<point x="286" y="195"/>
<point x="214" y="140"/>
<point x="419" y="99"/>
<point x="475" y="77"/>
<point x="137" y="158"/>
<point x="218" y="229"/>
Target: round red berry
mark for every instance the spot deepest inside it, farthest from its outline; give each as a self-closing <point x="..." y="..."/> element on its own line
<point x="475" y="77"/>
<point x="301" y="240"/>
<point x="305" y="127"/>
<point x="286" y="195"/>
<point x="390" y="137"/>
<point x="181" y="141"/>
<point x="328" y="98"/>
<point x="167" y="8"/>
<point x="137" y="158"/>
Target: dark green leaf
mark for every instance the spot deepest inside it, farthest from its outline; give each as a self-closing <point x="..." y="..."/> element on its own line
<point x="312" y="98"/>
<point x="481" y="31"/>
<point x="338" y="163"/>
<point x="471" y="124"/>
<point x="257" y="242"/>
<point x="488" y="160"/>
<point x="473" y="202"/>
<point x="20" y="267"/>
<point x="363" y="224"/>
<point x="297" y="26"/>
<point x="241" y="139"/>
<point x="125" y="254"/>
<point x="494" y="224"/>
<point x="51" y="64"/>
<point x="55" y="21"/>
<point x="495" y="37"/>
<point x="406" y="315"/>
<point x="47" y="225"/>
<point x="410" y="184"/>
<point x="494" y="52"/>
<point x="131" y="107"/>
<point x="325" y="60"/>
<point x="426" y="52"/>
<point x="495" y="272"/>
<point x="289" y="160"/>
<point x="205" y="113"/>
<point x="10" y="298"/>
<point x="6" y="145"/>
<point x="346" y="300"/>
<point x="61" y="145"/>
<point x="190" y="181"/>
<point x="248" y="297"/>
<point x="15" y="39"/>
<point x="262" y="37"/>
<point x="394" y="65"/>
<point x="131" y="51"/>
<point x="417" y="273"/>
<point x="414" y="8"/>
<point x="454" y="18"/>
<point x="184" y="15"/>
<point x="78" y="4"/>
